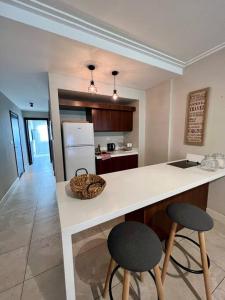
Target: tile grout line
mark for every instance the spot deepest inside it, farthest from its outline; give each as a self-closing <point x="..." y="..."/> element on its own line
<point x="45" y="237"/>
<point x="17" y="248"/>
<point x="12" y="287"/>
<point x="196" y="249"/>
<point x="23" y="246"/>
<point x="57" y="264"/>
<point x="100" y="297"/>
<point x="217" y="285"/>
<point x="28" y="245"/>
<point x="61" y="264"/>
<point x="28" y="250"/>
<point x="40" y="219"/>
<point x="217" y="265"/>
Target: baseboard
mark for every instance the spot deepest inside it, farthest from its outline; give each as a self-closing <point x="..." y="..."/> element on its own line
<point x="216" y="215"/>
<point x="10" y="190"/>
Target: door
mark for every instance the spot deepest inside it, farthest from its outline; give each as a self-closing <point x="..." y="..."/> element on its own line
<point x="17" y="143"/>
<point x="79" y="157"/>
<point x="30" y="126"/>
<point x="50" y="140"/>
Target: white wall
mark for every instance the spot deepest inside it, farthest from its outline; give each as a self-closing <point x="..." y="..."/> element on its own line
<point x="8" y="169"/>
<point x="157" y="123"/>
<point x="35" y="114"/>
<point x="209" y="72"/>
<point x="61" y="81"/>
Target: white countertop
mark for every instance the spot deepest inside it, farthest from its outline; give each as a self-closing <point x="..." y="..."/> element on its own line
<point x="118" y="153"/>
<point x="127" y="191"/>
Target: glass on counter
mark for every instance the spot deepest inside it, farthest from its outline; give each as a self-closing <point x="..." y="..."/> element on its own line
<point x="220" y="157"/>
<point x="209" y="163"/>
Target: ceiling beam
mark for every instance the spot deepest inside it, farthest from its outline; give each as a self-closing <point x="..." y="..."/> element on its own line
<point x="47" y="18"/>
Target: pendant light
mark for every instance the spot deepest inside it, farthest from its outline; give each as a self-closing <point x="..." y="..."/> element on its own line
<point x="115" y="95"/>
<point x="92" y="88"/>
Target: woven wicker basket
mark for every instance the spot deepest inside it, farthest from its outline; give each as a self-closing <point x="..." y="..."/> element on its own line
<point x="87" y="186"/>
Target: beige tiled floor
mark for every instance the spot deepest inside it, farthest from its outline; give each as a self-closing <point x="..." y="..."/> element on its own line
<point x="31" y="265"/>
<point x="13" y="293"/>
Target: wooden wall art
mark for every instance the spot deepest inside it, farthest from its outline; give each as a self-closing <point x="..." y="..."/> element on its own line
<point x="197" y="104"/>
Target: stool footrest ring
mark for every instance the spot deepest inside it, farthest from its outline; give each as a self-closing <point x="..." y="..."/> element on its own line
<point x="179" y="264"/>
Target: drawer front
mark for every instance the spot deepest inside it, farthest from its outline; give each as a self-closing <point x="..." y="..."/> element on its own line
<point x="115" y="164"/>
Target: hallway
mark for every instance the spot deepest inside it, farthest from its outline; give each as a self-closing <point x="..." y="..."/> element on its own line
<point x="31" y="265"/>
<point x="30" y="242"/>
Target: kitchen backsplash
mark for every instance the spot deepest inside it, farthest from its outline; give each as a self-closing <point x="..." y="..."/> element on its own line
<point x="103" y="138"/>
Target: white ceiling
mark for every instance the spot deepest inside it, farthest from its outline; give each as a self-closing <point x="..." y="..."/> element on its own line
<point x="181" y="28"/>
<point x="27" y="54"/>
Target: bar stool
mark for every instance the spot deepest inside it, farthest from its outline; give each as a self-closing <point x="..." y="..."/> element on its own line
<point x="135" y="248"/>
<point x="196" y="219"/>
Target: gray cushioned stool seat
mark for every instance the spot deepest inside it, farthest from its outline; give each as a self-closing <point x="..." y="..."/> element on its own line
<point x="134" y="246"/>
<point x="190" y="216"/>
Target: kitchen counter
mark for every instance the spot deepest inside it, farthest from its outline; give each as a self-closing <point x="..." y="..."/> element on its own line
<point x="125" y="192"/>
<point x="118" y="153"/>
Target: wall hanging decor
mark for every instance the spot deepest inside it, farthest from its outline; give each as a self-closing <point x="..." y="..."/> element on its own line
<point x="197" y="104"/>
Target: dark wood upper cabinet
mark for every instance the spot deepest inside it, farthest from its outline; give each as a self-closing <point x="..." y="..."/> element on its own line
<point x="105" y="116"/>
<point x="112" y="120"/>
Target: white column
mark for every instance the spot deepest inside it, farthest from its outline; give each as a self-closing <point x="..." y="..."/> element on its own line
<point x="68" y="266"/>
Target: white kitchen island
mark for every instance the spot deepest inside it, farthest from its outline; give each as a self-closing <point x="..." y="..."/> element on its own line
<point x="125" y="192"/>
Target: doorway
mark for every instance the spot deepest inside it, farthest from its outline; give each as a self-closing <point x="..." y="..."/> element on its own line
<point x="14" y="119"/>
<point x="38" y="141"/>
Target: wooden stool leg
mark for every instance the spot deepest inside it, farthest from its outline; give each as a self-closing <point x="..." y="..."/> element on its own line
<point x="169" y="250"/>
<point x="126" y="285"/>
<point x="201" y="237"/>
<point x="109" y="272"/>
<point x="142" y="277"/>
<point x="158" y="282"/>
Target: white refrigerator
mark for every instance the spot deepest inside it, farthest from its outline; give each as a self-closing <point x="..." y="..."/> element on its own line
<point x="79" y="148"/>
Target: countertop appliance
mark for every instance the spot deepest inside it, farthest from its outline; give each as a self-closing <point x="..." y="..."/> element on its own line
<point x="184" y="164"/>
<point x="128" y="147"/>
<point x="79" y="149"/>
<point x="111" y="147"/>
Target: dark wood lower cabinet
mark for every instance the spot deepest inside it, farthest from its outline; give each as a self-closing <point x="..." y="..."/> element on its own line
<point x="115" y="164"/>
<point x="155" y="215"/>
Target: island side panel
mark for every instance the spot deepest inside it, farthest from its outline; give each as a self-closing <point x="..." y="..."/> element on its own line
<point x="155" y="215"/>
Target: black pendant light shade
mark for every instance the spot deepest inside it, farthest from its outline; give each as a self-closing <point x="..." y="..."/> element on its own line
<point x="115" y="94"/>
<point x="92" y="88"/>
